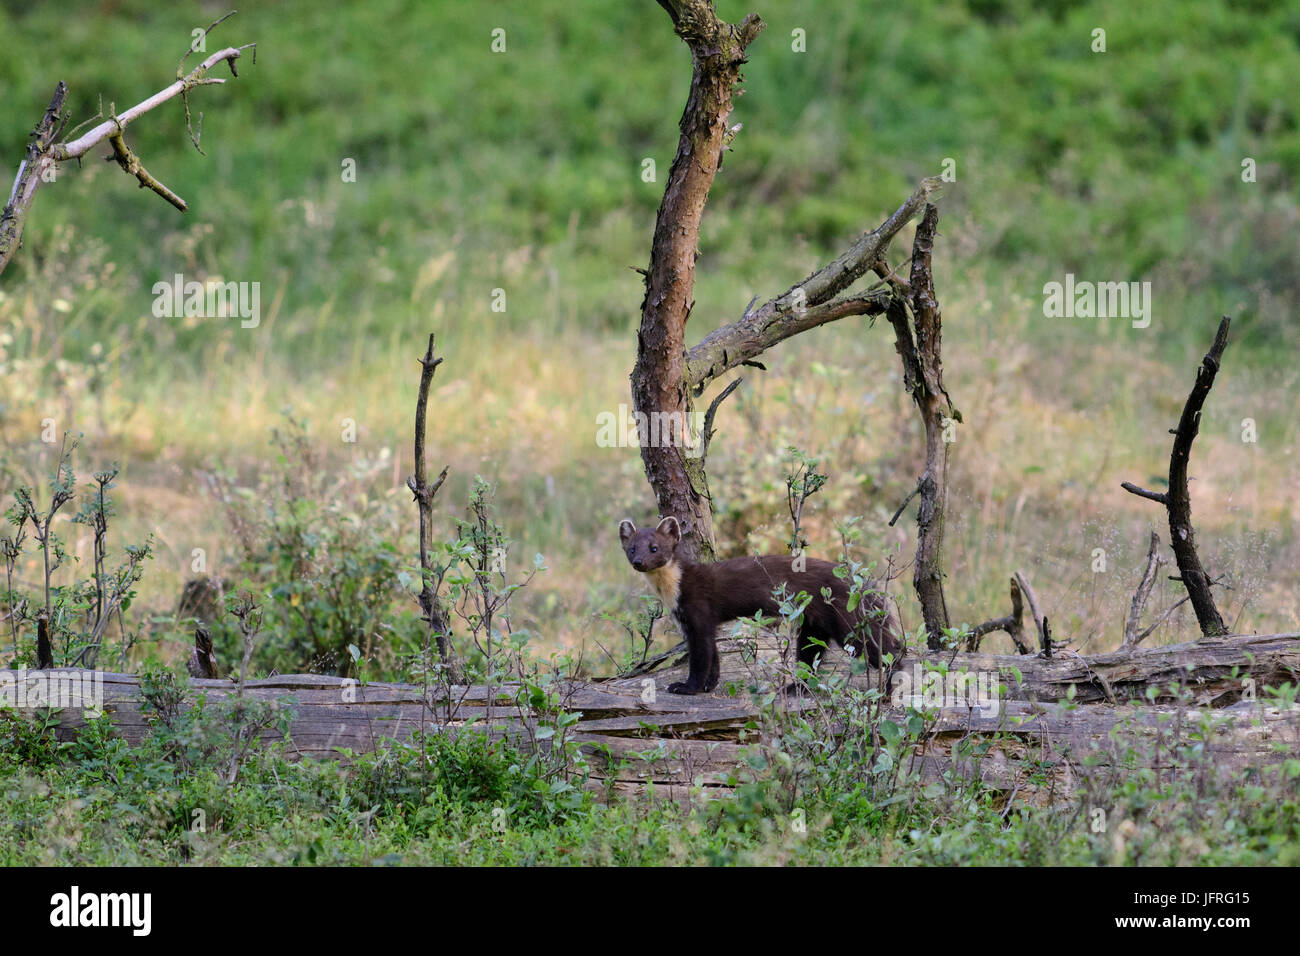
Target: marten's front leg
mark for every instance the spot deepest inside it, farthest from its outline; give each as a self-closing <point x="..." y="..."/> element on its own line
<point x="703" y="656"/>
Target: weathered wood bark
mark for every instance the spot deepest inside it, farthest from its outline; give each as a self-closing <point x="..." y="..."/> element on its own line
<point x="659" y="390"/>
<point x="43" y="152"/>
<point x="31" y="173"/>
<point x="673" y="741"/>
<point x="1178" y="501"/>
<point x="1215" y="672"/>
<point x="435" y="615"/>
<point x="919" y="350"/>
<point x="667" y="378"/>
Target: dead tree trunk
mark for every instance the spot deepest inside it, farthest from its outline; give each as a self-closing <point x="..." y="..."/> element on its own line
<point x="667" y="377"/>
<point x="659" y="391"/>
<point x="688" y="741"/>
<point x="1177" y="500"/>
<point x="920" y="355"/>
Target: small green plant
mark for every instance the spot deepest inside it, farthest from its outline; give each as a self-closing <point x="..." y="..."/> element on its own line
<point x="320" y="546"/>
<point x="78" y="613"/>
<point x="639" y="626"/>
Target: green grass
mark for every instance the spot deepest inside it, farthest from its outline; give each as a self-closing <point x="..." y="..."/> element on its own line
<point x="166" y="801"/>
<point x="521" y="171"/>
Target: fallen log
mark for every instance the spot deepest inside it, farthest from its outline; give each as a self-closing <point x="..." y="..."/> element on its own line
<point x="1216" y="671"/>
<point x="636" y="738"/>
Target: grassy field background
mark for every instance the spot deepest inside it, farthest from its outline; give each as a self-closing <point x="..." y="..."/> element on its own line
<point x="521" y="171"/>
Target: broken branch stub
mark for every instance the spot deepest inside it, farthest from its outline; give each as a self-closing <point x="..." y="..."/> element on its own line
<point x="1177" y="500"/>
<point x="435" y="615"/>
<point x="1012" y="624"/>
<point x="43" y="153"/>
<point x="919" y="346"/>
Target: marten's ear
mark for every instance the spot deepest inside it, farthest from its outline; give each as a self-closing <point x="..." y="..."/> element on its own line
<point x="625" y="529"/>
<point x="669" y="526"/>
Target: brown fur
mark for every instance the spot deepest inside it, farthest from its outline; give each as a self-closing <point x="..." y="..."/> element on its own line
<point x="702" y="596"/>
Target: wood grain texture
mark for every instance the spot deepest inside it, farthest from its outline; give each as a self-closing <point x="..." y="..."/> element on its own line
<point x="684" y="747"/>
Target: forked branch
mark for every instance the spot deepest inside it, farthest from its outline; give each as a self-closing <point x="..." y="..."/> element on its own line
<point x="1131" y="636"/>
<point x="1177" y="500"/>
<point x="807" y="304"/>
<point x="435" y="615"/>
<point x="43" y="153"/>
<point x="1013" y="623"/>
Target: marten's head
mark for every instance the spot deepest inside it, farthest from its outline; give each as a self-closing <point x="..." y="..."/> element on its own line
<point x="649" y="549"/>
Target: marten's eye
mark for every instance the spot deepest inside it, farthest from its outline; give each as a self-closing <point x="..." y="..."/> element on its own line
<point x="654" y="548"/>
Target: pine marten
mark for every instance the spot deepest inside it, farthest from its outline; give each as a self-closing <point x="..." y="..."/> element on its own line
<point x="702" y="596"/>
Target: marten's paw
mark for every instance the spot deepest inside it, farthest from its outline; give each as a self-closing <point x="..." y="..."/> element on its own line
<point x="684" y="688"/>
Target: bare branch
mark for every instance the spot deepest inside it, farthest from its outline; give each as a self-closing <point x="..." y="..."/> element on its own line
<point x="912" y="494"/>
<point x="131" y="164"/>
<point x="197" y="77"/>
<point x="736" y="344"/>
<point x="1131" y="636"/>
<point x="807" y="304"/>
<point x="713" y="410"/>
<point x="43" y="153"/>
<point x="435" y="615"/>
<point x="1143" y="493"/>
<point x="1177" y="500"/>
<point x="1040" y="622"/>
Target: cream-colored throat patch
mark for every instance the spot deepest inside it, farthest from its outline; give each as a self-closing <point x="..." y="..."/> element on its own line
<point x="667" y="582"/>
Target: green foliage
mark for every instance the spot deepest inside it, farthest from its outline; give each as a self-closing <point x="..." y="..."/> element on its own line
<point x="1118" y="162"/>
<point x="805" y="797"/>
<point x="79" y="611"/>
<point x="320" y="546"/>
<point x="639" y="626"/>
<point x="521" y="171"/>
